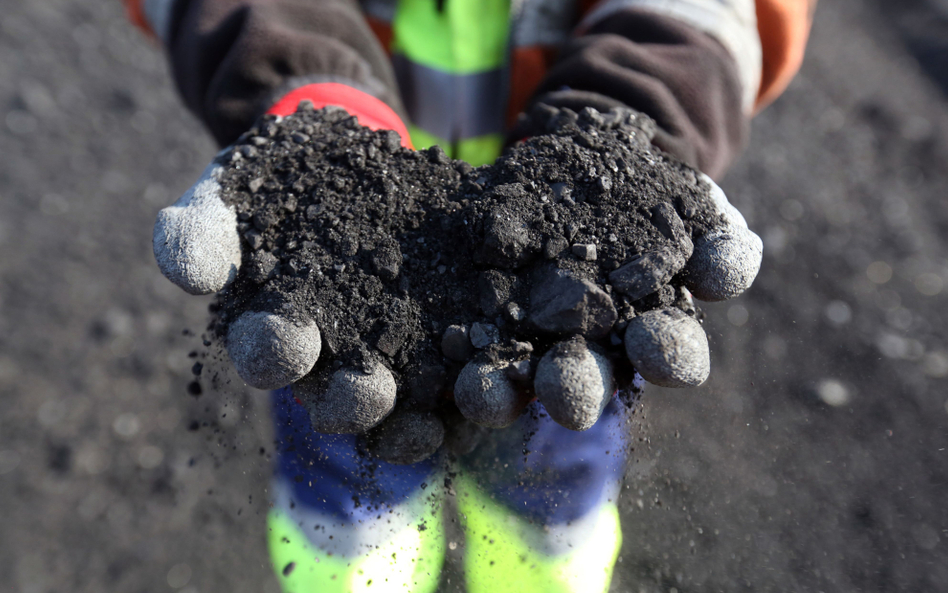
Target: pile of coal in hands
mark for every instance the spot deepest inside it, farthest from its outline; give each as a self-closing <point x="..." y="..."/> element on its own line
<point x="379" y="280"/>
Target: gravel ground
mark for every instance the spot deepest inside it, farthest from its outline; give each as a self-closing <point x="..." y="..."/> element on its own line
<point x="814" y="459"/>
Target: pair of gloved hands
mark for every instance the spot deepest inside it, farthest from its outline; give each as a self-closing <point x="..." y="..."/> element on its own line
<point x="198" y="247"/>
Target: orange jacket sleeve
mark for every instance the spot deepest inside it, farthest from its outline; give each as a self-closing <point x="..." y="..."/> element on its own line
<point x="784" y="27"/>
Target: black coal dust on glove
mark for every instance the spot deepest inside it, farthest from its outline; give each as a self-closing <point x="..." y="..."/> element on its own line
<point x="400" y="277"/>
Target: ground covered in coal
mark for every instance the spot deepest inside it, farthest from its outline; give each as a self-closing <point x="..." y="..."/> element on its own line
<point x="423" y="261"/>
<point x="813" y="459"/>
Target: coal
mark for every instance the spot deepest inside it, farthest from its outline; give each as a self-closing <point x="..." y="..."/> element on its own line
<point x="647" y="273"/>
<point x="561" y="304"/>
<point x="425" y="274"/>
<point x="669" y="224"/>
<point x="484" y="334"/>
<point x="456" y="343"/>
<point x="585" y="251"/>
<point x="263" y="266"/>
<point x="495" y="288"/>
<point x="521" y="370"/>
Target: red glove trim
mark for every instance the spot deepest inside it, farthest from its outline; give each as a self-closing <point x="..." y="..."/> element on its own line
<point x="370" y="111"/>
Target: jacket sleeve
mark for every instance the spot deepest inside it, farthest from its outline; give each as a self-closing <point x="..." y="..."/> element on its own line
<point x="232" y="60"/>
<point x="699" y="86"/>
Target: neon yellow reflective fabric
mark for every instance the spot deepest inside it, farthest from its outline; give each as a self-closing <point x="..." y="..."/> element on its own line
<point x="499" y="560"/>
<point x="482" y="150"/>
<point x="466" y="36"/>
<point x="409" y="563"/>
<point x="421" y="139"/>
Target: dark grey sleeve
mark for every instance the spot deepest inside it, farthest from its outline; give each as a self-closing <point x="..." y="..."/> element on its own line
<point x="231" y="59"/>
<point x="681" y="77"/>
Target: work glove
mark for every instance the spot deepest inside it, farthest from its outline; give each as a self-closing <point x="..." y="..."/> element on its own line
<point x="661" y="336"/>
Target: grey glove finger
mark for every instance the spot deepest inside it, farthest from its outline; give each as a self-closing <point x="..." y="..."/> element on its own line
<point x="486" y="396"/>
<point x="195" y="240"/>
<point x="270" y="351"/>
<point x="726" y="260"/>
<point x="574" y="384"/>
<point x="407" y="437"/>
<point x="668" y="348"/>
<point x="352" y="402"/>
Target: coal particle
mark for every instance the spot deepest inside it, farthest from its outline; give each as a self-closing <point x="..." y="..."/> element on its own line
<point x="254" y="239"/>
<point x="456" y="343"/>
<point x="495" y="289"/>
<point x="669" y="224"/>
<point x="647" y="272"/>
<point x="565" y="305"/>
<point x="505" y="241"/>
<point x="514" y="312"/>
<point x="263" y="266"/>
<point x="387" y="260"/>
<point x="554" y="246"/>
<point x="484" y="334"/>
<point x="585" y="251"/>
<point x="521" y="370"/>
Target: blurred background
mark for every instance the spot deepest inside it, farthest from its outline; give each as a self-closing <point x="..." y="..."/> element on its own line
<point x="814" y="459"/>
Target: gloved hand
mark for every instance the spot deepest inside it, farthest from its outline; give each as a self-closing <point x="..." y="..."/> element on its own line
<point x="666" y="345"/>
<point x="572" y="306"/>
<point x="198" y="247"/>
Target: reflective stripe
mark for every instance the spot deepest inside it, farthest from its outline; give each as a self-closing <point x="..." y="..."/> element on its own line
<point x="408" y="563"/>
<point x="350" y="539"/>
<point x="505" y="553"/>
<point x="450" y="65"/>
<point x="380" y="550"/>
<point x="732" y="22"/>
<point x="480" y="151"/>
<point x="466" y="36"/>
<point x="476" y="151"/>
<point x="451" y="106"/>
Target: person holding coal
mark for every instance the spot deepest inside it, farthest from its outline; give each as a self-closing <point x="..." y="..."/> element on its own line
<point x="530" y="442"/>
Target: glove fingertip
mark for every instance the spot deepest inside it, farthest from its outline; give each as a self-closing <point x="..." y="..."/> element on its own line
<point x="270" y="351"/>
<point x="486" y="396"/>
<point x="574" y="383"/>
<point x="724" y="264"/>
<point x="195" y="240"/>
<point x="668" y="348"/>
<point x="351" y="402"/>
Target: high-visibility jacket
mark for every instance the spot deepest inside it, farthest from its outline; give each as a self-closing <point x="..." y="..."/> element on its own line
<point x="459" y="71"/>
